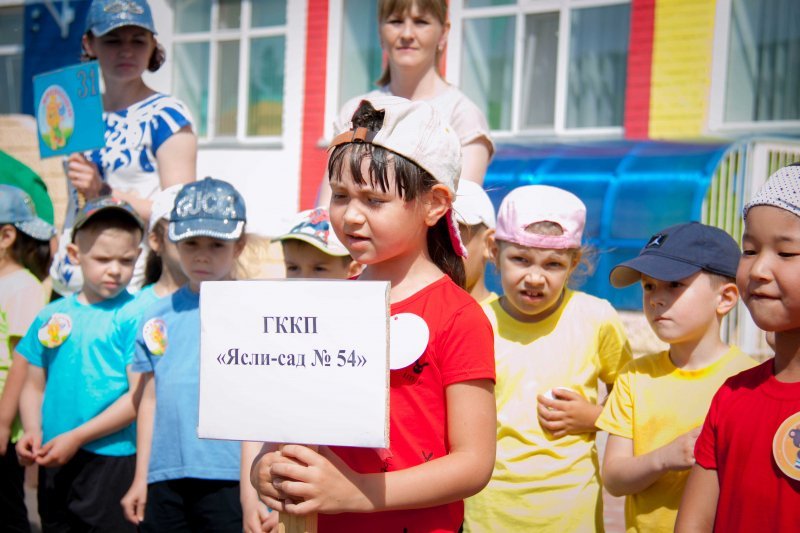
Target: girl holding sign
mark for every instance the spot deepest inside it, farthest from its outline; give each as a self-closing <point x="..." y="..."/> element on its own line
<point x="150" y="144"/>
<point x="393" y="179"/>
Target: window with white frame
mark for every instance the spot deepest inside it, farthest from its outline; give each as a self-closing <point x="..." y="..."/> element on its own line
<point x="762" y="78"/>
<point x="229" y="58"/>
<point x="360" y="51"/>
<point x="546" y="66"/>
<point x="11" y="45"/>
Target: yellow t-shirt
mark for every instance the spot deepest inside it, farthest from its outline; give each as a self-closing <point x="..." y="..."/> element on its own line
<point x="653" y="402"/>
<point x="540" y="483"/>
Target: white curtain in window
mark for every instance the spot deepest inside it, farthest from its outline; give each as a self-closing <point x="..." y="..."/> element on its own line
<point x="763" y="79"/>
<point x="598" y="55"/>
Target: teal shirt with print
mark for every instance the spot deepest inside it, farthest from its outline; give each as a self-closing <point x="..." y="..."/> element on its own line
<point x="85" y="351"/>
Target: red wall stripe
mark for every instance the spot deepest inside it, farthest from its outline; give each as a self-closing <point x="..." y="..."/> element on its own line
<point x="313" y="158"/>
<point x="640" y="62"/>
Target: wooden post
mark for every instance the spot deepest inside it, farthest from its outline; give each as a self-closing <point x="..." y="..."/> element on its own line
<point x="298" y="524"/>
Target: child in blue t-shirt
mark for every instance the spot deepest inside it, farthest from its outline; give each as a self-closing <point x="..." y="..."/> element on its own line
<point x="77" y="403"/>
<point x="187" y="483"/>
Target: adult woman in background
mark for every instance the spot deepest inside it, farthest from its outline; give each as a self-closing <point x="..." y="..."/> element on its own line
<point x="413" y="37"/>
<point x="150" y="144"/>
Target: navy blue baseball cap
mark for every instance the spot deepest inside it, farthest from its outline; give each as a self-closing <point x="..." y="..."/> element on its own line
<point x="105" y="203"/>
<point x="17" y="209"/>
<point x="678" y="252"/>
<point x="207" y="208"/>
<point x="108" y="15"/>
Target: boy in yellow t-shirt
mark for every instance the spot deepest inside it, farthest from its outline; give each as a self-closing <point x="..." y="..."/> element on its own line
<point x="659" y="402"/>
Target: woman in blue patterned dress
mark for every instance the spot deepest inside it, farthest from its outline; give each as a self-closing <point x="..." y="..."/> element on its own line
<point x="150" y="143"/>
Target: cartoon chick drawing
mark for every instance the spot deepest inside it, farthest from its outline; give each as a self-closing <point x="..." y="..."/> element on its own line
<point x="53" y="108"/>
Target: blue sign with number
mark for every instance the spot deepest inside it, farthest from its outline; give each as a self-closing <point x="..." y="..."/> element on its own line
<point x="69" y="110"/>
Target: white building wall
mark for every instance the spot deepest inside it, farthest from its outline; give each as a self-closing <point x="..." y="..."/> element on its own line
<point x="268" y="175"/>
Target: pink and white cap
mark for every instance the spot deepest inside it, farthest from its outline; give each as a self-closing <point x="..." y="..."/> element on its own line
<point x="541" y="203"/>
<point x="416" y="131"/>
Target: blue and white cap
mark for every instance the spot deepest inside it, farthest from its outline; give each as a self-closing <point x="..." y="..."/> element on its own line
<point x="17" y="209"/>
<point x="207" y="208"/>
<point x="108" y="15"/>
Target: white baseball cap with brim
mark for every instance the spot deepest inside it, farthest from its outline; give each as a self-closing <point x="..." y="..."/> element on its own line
<point x="163" y="203"/>
<point x="314" y="227"/>
<point x="473" y="206"/>
<point x="416" y="131"/>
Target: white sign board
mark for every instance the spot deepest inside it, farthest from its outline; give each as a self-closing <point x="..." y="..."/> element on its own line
<point x="295" y="361"/>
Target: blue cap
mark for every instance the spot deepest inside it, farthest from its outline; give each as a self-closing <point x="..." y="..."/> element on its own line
<point x="104" y="203"/>
<point x="678" y="252"/>
<point x="107" y="15"/>
<point x="16" y="208"/>
<point x="207" y="208"/>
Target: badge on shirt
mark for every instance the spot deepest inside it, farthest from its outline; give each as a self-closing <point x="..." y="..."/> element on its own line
<point x="55" y="331"/>
<point x="786" y="447"/>
<point x="155" y="336"/>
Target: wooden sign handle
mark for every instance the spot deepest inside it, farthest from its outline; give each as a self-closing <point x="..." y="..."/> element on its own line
<point x="298" y="524"/>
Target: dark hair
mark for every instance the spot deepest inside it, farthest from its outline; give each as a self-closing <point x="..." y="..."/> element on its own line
<point x="32" y="254"/>
<point x="157" y="58"/>
<point x="411" y="181"/>
<point x="387" y="8"/>
<point x="153" y="264"/>
<point x="108" y="219"/>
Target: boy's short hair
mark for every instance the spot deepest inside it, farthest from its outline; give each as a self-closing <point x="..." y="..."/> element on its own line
<point x="473" y="206"/>
<point x="678" y="252"/>
<point x="107" y="212"/>
<point x="207" y="208"/>
<point x="314" y="227"/>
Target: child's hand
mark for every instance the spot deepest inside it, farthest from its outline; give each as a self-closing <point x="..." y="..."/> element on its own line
<point x="59" y="450"/>
<point x="28" y="447"/>
<point x="84" y="175"/>
<point x="568" y="413"/>
<point x="316" y="483"/>
<point x="134" y="501"/>
<point x="256" y="517"/>
<point x="679" y="454"/>
<point x="261" y="476"/>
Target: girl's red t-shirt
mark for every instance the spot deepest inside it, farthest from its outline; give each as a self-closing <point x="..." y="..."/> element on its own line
<point x="460" y="348"/>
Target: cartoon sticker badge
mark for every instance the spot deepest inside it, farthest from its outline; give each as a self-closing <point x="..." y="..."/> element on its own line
<point x="155" y="336"/>
<point x="786" y="447"/>
<point x="55" y="331"/>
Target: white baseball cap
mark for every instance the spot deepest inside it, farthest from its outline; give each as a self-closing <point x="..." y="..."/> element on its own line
<point x="473" y="206"/>
<point x="416" y="131"/>
<point x="163" y="203"/>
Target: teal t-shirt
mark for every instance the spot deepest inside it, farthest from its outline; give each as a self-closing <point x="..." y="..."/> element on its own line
<point x="85" y="350"/>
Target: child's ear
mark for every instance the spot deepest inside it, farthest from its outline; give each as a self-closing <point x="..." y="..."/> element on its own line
<point x="728" y="296"/>
<point x="73" y="253"/>
<point x="354" y="269"/>
<point x="238" y="248"/>
<point x="488" y="242"/>
<point x="8" y="234"/>
<point x="493" y="248"/>
<point x="154" y="242"/>
<point x="440" y="203"/>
